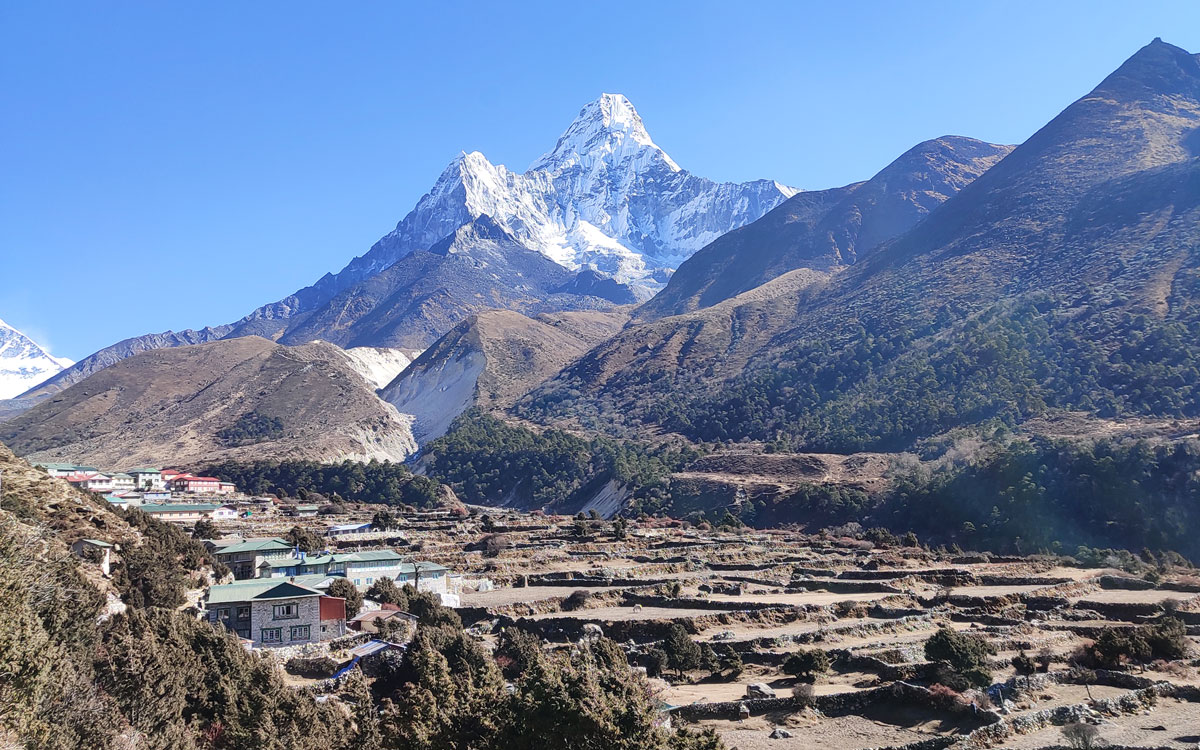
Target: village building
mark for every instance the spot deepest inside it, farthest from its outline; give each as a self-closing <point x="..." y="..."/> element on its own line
<point x="301" y="511"/>
<point x="376" y="620"/>
<point x="226" y="488"/>
<point x="146" y="478"/>
<point x="243" y="556"/>
<point x="195" y="485"/>
<point x="272" y="613"/>
<point x="122" y="482"/>
<point x="93" y="481"/>
<point x="185" y="513"/>
<point x="361" y="568"/>
<point x="96" y="550"/>
<point x="348" y="530"/>
<point x="61" y="470"/>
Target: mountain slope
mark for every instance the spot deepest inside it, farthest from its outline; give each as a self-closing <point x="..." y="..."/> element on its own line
<point x="414" y="301"/>
<point x="491" y="359"/>
<point x="119" y="351"/>
<point x="826" y="229"/>
<point x="24" y="364"/>
<point x="606" y="198"/>
<point x="172" y="405"/>
<point x="1064" y="277"/>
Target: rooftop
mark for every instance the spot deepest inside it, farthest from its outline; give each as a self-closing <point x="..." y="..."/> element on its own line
<point x="265" y="588"/>
<point x="176" y="507"/>
<point x="254" y="545"/>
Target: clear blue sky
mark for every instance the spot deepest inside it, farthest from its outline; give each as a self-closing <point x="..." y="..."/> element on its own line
<point x="173" y="165"/>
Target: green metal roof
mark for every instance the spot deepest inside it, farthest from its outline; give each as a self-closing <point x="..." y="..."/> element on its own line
<point x="370" y="556"/>
<point x="169" y="507"/>
<point x="144" y="470"/>
<point x="262" y="545"/>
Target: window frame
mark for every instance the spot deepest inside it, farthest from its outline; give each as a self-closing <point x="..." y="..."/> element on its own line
<point x="292" y="606"/>
<point x="307" y="633"/>
<point x="262" y="635"/>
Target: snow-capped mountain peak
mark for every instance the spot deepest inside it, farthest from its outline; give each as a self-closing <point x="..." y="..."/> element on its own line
<point x="605" y="198"/>
<point x="23" y="363"/>
<point x="607" y="128"/>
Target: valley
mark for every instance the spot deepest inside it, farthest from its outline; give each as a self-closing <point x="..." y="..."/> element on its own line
<point x="610" y="455"/>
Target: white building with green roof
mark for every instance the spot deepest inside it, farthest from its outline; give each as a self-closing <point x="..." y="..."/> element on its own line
<point x="362" y="568"/>
<point x="243" y="556"/>
<point x="189" y="513"/>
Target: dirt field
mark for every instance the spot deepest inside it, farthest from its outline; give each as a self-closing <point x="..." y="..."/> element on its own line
<point x="627" y="613"/>
<point x="841" y="733"/>
<point x="1170" y="724"/>
<point x="505" y="596"/>
<point x="1117" y="596"/>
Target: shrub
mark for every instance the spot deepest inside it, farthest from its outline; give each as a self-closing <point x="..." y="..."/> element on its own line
<point x="656" y="662"/>
<point x="961" y="658"/>
<point x="807" y="664"/>
<point x="318" y="668"/>
<point x="251" y="428"/>
<point x="944" y="698"/>
<point x="803" y="693"/>
<point x="577" y="600"/>
<point x="204" y="529"/>
<point x="517" y="650"/>
<point x="1081" y="736"/>
<point x="682" y="652"/>
<point x="494" y="544"/>
<point x="345" y="589"/>
<point x="306" y="539"/>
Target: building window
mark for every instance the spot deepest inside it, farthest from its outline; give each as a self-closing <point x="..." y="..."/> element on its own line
<point x="370" y="581"/>
<point x="272" y="635"/>
<point x="357" y="582"/>
<point x="243" y="613"/>
<point x="300" y="632"/>
<point x="286" y="611"/>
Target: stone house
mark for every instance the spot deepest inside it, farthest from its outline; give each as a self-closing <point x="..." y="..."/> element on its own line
<point x="97" y="550"/>
<point x="273" y="613"/>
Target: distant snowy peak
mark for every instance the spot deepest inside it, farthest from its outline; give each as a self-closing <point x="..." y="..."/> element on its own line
<point x="608" y="128"/>
<point x="606" y="198"/>
<point x="23" y="363"/>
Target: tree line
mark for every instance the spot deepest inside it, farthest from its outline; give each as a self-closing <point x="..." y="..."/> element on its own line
<point x="381" y="482"/>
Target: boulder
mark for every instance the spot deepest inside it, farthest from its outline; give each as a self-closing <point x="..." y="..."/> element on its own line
<point x="759" y="690"/>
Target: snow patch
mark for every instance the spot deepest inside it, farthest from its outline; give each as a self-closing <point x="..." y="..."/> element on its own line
<point x="23" y="363"/>
<point x="379" y="365"/>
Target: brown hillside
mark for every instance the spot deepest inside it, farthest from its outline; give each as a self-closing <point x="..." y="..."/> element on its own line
<point x="168" y="406"/>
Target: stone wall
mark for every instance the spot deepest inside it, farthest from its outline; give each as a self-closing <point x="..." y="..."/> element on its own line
<point x="262" y="616"/>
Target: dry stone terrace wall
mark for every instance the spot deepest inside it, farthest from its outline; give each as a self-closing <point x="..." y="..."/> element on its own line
<point x="837" y="704"/>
